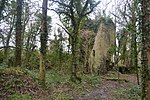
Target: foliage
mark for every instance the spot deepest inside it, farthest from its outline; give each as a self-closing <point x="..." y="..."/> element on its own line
<point x="12" y="70"/>
<point x="94" y="80"/>
<point x="88" y="82"/>
<point x="18" y="96"/>
<point x="55" y="62"/>
<point x="132" y="93"/>
<point x="54" y="78"/>
<point x="1" y="57"/>
<point x="32" y="74"/>
<point x="112" y="50"/>
<point x="32" y="60"/>
<point x="62" y="96"/>
<point x="93" y="24"/>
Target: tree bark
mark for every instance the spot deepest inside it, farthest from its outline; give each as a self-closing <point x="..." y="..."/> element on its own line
<point x="43" y="39"/>
<point x="75" y="55"/>
<point x="18" y="33"/>
<point x="145" y="6"/>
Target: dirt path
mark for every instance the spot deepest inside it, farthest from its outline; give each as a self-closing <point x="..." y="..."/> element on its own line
<point x="104" y="91"/>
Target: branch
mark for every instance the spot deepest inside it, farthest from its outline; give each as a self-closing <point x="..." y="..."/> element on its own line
<point x="72" y="13"/>
<point x="7" y="47"/>
<point x="91" y="8"/>
<point x="64" y="29"/>
<point x="61" y="12"/>
<point x="62" y="4"/>
<point x="115" y="15"/>
<point x="85" y="6"/>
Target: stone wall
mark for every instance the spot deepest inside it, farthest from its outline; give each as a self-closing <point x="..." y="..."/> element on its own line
<point x="87" y="41"/>
<point x="104" y="41"/>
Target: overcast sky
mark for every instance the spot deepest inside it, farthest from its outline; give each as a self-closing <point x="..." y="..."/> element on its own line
<point x="108" y="5"/>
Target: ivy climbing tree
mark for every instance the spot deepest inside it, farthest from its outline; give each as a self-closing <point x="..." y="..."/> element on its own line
<point x="43" y="40"/>
<point x="72" y="13"/>
<point x="145" y="28"/>
<point x="18" y="33"/>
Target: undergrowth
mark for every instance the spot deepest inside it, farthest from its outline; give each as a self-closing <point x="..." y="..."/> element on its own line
<point x="132" y="93"/>
<point x="55" y="80"/>
<point x="18" y="96"/>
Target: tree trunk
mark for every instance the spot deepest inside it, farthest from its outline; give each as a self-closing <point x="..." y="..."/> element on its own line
<point x="43" y="39"/>
<point x="7" y="44"/>
<point x="8" y="40"/>
<point x="136" y="59"/>
<point x="75" y="55"/>
<point x="145" y="6"/>
<point x="135" y="52"/>
<point x="18" y="34"/>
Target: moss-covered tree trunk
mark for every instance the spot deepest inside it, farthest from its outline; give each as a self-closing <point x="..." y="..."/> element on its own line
<point x="43" y="39"/>
<point x="134" y="47"/>
<point x="18" y="33"/>
<point x="145" y="6"/>
<point x="75" y="53"/>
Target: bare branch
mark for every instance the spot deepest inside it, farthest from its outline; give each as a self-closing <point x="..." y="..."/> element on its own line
<point x="7" y="47"/>
<point x="64" y="29"/>
<point x="85" y="7"/>
<point x="61" y="3"/>
<point x="91" y="8"/>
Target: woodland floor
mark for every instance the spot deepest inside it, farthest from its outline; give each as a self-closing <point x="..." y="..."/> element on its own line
<point x="17" y="84"/>
<point x="105" y="89"/>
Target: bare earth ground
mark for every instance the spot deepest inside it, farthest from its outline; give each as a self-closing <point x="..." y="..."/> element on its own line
<point x="104" y="91"/>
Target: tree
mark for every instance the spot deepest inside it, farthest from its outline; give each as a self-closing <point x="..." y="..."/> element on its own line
<point x="72" y="13"/>
<point x="2" y="6"/>
<point x="130" y="37"/>
<point x="18" y="33"/>
<point x="8" y="25"/>
<point x="43" y="40"/>
<point x="145" y="28"/>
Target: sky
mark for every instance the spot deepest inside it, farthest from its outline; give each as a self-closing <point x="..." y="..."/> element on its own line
<point x="108" y="5"/>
